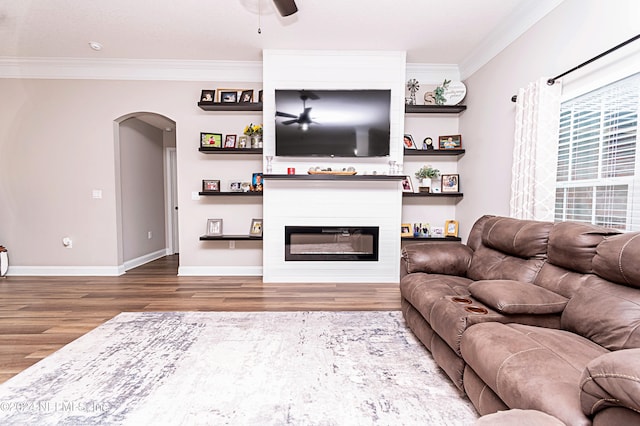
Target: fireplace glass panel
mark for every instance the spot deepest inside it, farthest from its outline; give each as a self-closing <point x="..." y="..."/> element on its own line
<point x="330" y="243"/>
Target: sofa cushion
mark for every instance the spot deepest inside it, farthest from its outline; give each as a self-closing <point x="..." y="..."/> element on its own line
<point x="516" y="297"/>
<point x="521" y="238"/>
<point x="617" y="259"/>
<point x="474" y="240"/>
<point x="611" y="380"/>
<point x="607" y="313"/>
<point x="424" y="290"/>
<point x="560" y="280"/>
<point x="452" y="259"/>
<point x="531" y="367"/>
<point x="573" y="245"/>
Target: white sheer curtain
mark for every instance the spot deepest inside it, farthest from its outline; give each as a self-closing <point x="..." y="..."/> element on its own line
<point x="535" y="153"/>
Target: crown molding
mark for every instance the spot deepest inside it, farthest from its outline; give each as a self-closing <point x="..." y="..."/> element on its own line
<point x="130" y="69"/>
<point x="432" y="73"/>
<point x="523" y="18"/>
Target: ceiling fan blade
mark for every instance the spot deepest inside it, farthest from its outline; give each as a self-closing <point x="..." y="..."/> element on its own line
<point x="286" y="123"/>
<point x="285" y="114"/>
<point x="306" y="94"/>
<point x="286" y="7"/>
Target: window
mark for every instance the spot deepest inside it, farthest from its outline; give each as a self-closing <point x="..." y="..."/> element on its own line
<point x="598" y="175"/>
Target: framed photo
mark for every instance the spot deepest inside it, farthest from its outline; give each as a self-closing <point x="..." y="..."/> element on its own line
<point x="256" y="182"/>
<point x="245" y="186"/>
<point x="214" y="227"/>
<point x="228" y="95"/>
<point x="256" y="228"/>
<point x="408" y="142"/>
<point x="246" y="96"/>
<point x="243" y="142"/>
<point x="230" y="141"/>
<point x="208" y="96"/>
<point x="405" y="230"/>
<point x="407" y="186"/>
<point x="437" y="231"/>
<point x="211" y="140"/>
<point x="235" y="186"/>
<point x="260" y="96"/>
<point x="450" y="142"/>
<point x="451" y="228"/>
<point x="450" y="183"/>
<point x="209" y="185"/>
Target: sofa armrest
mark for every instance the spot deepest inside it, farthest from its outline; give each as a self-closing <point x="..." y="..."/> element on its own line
<point x="611" y="380"/>
<point x="447" y="259"/>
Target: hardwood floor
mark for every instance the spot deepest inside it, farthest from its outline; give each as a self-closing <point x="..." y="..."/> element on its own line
<point x="39" y="315"/>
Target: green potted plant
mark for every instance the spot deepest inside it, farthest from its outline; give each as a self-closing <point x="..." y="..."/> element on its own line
<point x="426" y="172"/>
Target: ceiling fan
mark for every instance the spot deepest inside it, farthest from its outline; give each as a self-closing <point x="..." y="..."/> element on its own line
<point x="304" y="118"/>
<point x="286" y="7"/>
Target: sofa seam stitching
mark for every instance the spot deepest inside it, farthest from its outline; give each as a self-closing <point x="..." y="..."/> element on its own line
<point x="507" y="359"/>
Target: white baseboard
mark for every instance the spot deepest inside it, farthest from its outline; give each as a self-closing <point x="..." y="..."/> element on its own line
<point x="139" y="261"/>
<point x="89" y="271"/>
<point x="221" y="271"/>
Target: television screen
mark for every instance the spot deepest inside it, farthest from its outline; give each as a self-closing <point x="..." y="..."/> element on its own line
<point x="332" y="123"/>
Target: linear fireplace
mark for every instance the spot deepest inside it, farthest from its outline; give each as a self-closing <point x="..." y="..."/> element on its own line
<point x="331" y="243"/>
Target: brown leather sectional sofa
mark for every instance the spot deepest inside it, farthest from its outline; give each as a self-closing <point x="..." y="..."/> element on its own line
<point x="533" y="316"/>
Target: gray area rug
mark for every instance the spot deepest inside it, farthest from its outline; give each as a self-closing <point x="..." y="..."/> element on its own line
<point x="221" y="368"/>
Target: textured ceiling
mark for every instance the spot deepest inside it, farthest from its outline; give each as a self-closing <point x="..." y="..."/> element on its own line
<point x="430" y="31"/>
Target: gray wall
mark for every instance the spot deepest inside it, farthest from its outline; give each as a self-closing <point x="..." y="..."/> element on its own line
<point x="142" y="188"/>
<point x="572" y="33"/>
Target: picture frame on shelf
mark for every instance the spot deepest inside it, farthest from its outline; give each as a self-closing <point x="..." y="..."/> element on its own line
<point x="450" y="183"/>
<point x="437" y="231"/>
<point x="408" y="142"/>
<point x="246" y="96"/>
<point x="407" y="186"/>
<point x="245" y="186"/>
<point x="228" y="95"/>
<point x="451" y="228"/>
<point x="256" y="182"/>
<point x="243" y="142"/>
<point x="212" y="140"/>
<point x="405" y="230"/>
<point x="256" y="228"/>
<point x="450" y="142"/>
<point x="235" y="186"/>
<point x="214" y="227"/>
<point x="260" y="95"/>
<point x="208" y="96"/>
<point x="210" y="185"/>
<point x="230" y="141"/>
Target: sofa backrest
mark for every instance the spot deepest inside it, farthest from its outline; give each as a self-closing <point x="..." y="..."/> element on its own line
<point x="606" y="307"/>
<point x="572" y="248"/>
<point x="508" y="249"/>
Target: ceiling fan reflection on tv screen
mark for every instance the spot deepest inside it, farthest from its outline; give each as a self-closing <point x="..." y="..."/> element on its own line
<point x="332" y="123"/>
<point x="304" y="118"/>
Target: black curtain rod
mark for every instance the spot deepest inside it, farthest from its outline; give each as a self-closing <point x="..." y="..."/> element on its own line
<point x="552" y="81"/>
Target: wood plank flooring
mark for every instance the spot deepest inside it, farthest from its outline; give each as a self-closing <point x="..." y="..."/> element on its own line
<point x="39" y="315"/>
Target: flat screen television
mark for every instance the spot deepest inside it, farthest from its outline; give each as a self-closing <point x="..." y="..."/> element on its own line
<point x="332" y="123"/>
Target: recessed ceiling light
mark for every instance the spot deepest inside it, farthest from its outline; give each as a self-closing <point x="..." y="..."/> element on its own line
<point x="95" y="46"/>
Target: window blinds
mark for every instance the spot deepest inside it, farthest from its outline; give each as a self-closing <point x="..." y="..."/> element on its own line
<point x="598" y="172"/>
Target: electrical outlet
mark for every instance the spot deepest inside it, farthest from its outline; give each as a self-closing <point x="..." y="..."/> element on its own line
<point x="149" y="235"/>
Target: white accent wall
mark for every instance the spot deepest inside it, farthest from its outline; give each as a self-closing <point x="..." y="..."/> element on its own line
<point x="333" y="203"/>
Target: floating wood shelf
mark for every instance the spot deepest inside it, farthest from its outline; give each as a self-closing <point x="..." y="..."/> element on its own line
<point x="231" y="194"/>
<point x="434" y="109"/>
<point x="431" y="239"/>
<point x="432" y="194"/>
<point x="433" y="152"/>
<point x="335" y="177"/>
<point x="229" y="238"/>
<point x="215" y="150"/>
<point x="230" y="106"/>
